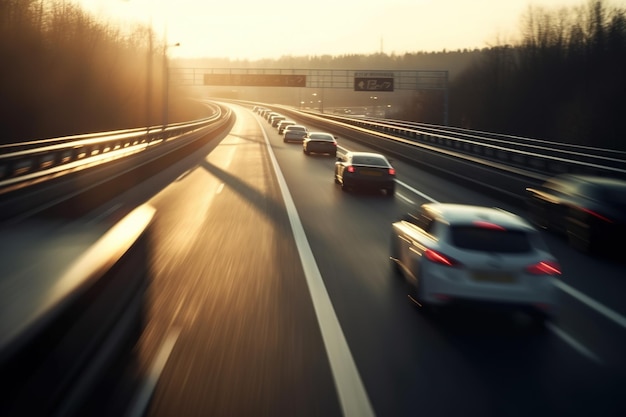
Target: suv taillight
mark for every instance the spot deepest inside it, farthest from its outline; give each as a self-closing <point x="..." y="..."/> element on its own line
<point x="544" y="268"/>
<point x="440" y="258"/>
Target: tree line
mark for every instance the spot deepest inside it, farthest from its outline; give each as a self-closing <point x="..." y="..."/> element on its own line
<point x="64" y="73"/>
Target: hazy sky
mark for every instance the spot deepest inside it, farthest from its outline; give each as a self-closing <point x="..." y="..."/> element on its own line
<point x="254" y="29"/>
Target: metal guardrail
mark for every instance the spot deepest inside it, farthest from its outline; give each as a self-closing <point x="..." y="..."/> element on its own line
<point x="72" y="299"/>
<point x="23" y="164"/>
<point x="542" y="157"/>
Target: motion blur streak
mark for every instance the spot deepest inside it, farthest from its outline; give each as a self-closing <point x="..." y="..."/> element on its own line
<point x="352" y="396"/>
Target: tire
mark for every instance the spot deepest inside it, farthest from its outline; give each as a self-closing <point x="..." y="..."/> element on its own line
<point x="393" y="249"/>
<point x="539" y="320"/>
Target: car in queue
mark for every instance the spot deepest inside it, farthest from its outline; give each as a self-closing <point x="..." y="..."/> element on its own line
<point x="365" y="171"/>
<point x="589" y="210"/>
<point x="282" y="125"/>
<point x="268" y="115"/>
<point x="467" y="255"/>
<point x="295" y="133"/>
<point x="274" y="120"/>
<point x="319" y="143"/>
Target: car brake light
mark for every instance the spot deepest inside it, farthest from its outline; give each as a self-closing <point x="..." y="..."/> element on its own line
<point x="488" y="225"/>
<point x="440" y="258"/>
<point x="544" y="268"/>
<point x="350" y="169"/>
<point x="392" y="171"/>
<point x="597" y="215"/>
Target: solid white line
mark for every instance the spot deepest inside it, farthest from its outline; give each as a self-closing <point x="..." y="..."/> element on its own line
<point x="421" y="194"/>
<point x="574" y="343"/>
<point x="590" y="302"/>
<point x="143" y="397"/>
<point x="351" y="392"/>
<point x="403" y="197"/>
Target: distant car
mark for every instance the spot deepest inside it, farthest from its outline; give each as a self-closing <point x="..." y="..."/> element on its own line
<point x="283" y="124"/>
<point x="589" y="210"/>
<point x="453" y="254"/>
<point x="320" y="143"/>
<point x="268" y="115"/>
<point x="295" y="133"/>
<point x="274" y="120"/>
<point x="365" y="170"/>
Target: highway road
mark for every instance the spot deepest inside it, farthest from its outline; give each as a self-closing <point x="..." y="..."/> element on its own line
<point x="273" y="296"/>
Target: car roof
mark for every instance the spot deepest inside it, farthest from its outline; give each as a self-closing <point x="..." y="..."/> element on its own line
<point x="296" y="126"/>
<point x="465" y="214"/>
<point x="355" y="153"/>
<point x="321" y="134"/>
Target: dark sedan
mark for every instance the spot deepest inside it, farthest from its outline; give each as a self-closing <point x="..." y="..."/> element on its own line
<point x="319" y="143"/>
<point x="589" y="210"/>
<point x="365" y="170"/>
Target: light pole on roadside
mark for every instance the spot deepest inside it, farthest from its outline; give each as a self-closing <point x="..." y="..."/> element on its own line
<point x="166" y="84"/>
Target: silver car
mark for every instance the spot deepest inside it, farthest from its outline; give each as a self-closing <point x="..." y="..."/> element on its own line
<point x="474" y="255"/>
<point x="295" y="133"/>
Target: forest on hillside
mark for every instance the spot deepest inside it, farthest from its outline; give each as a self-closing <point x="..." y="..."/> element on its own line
<point x="66" y="73"/>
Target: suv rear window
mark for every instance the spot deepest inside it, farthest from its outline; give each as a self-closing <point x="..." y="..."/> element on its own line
<point x="490" y="240"/>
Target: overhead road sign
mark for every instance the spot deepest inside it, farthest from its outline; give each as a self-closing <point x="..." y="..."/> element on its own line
<point x="373" y="81"/>
<point x="256" y="80"/>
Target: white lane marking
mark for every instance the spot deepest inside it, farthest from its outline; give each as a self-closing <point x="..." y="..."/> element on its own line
<point x="574" y="343"/>
<point x="352" y="395"/>
<point x="220" y="188"/>
<point x="403" y="197"/>
<point x="590" y="302"/>
<point x="143" y="397"/>
<point x="421" y="194"/>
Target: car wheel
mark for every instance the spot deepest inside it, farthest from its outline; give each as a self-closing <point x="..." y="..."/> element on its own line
<point x="389" y="192"/>
<point x="395" y="256"/>
<point x="539" y="320"/>
<point x="579" y="237"/>
<point x="306" y="152"/>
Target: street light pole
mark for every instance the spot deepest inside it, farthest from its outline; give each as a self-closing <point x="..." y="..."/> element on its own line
<point x="166" y="84"/>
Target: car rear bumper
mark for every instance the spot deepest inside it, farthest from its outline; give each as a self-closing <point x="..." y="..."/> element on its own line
<point x="543" y="296"/>
<point x="371" y="183"/>
<point x="323" y="148"/>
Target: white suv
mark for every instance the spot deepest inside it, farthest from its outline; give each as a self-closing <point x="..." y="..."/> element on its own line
<point x="455" y="253"/>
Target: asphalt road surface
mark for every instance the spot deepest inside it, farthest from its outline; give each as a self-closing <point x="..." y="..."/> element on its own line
<point x="272" y="295"/>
